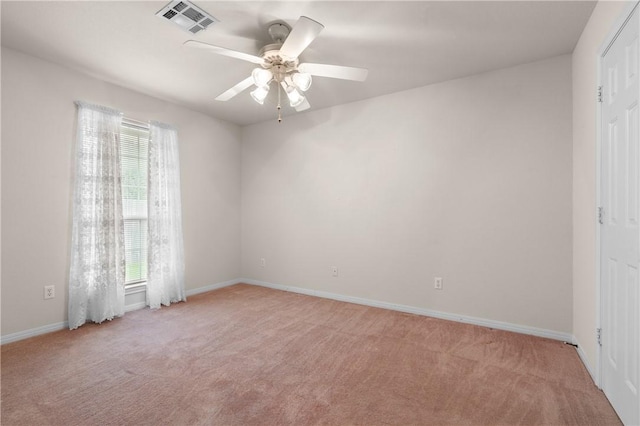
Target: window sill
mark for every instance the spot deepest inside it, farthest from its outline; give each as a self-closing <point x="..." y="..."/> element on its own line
<point x="135" y="288"/>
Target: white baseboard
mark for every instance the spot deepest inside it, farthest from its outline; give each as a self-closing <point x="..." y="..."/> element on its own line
<point x="135" y="306"/>
<point x="20" y="335"/>
<point x="212" y="287"/>
<point x="32" y="332"/>
<point x="585" y="361"/>
<point x="327" y="295"/>
<point x="499" y="325"/>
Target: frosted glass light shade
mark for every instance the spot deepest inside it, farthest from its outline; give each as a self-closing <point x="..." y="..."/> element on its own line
<point x="261" y="77"/>
<point x="302" y="80"/>
<point x="295" y="98"/>
<point x="260" y="94"/>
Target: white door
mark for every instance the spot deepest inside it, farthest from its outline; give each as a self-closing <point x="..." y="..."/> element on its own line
<point x="620" y="232"/>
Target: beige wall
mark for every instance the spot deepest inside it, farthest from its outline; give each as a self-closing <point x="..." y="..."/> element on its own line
<point x="469" y="180"/>
<point x="584" y="68"/>
<point x="38" y="133"/>
<point x="392" y="190"/>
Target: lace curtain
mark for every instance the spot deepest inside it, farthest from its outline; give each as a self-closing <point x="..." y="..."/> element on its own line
<point x="165" y="280"/>
<point x="96" y="277"/>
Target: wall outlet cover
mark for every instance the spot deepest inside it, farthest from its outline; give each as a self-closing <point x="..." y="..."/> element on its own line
<point x="49" y="291"/>
<point x="437" y="283"/>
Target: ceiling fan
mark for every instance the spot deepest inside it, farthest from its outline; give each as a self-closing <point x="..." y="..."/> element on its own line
<point x="278" y="64"/>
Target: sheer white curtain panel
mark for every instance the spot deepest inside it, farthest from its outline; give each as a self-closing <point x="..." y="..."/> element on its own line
<point x="97" y="271"/>
<point x="165" y="280"/>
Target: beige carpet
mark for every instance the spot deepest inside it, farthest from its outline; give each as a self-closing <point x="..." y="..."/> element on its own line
<point x="250" y="355"/>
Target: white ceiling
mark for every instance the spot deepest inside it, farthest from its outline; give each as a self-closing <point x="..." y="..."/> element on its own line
<point x="403" y="44"/>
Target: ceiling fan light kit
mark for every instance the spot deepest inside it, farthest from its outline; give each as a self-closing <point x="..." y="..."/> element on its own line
<point x="261" y="77"/>
<point x="279" y="64"/>
<point x="260" y="94"/>
<point x="302" y="80"/>
<point x="295" y="97"/>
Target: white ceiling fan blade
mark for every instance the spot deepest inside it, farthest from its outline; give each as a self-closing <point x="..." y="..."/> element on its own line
<point x="305" y="105"/>
<point x="224" y="51"/>
<point x="238" y="88"/>
<point x="334" y="71"/>
<point x="301" y="36"/>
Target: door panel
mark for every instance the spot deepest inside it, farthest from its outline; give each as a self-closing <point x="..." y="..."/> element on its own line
<point x="620" y="234"/>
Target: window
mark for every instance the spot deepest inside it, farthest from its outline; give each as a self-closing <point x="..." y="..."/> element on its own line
<point x="134" y="148"/>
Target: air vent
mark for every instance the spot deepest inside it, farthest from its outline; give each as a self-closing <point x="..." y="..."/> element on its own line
<point x="206" y="22"/>
<point x="187" y="16"/>
<point x="170" y="14"/>
<point x="179" y="7"/>
<point x="193" y="14"/>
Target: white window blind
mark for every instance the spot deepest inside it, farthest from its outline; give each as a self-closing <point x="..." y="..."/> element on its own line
<point x="134" y="149"/>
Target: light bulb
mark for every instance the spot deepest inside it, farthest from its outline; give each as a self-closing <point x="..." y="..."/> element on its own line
<point x="295" y="98"/>
<point x="260" y="94"/>
<point x="261" y="77"/>
<point x="302" y="80"/>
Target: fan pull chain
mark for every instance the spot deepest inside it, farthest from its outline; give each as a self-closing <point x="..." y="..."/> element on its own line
<point x="279" y="106"/>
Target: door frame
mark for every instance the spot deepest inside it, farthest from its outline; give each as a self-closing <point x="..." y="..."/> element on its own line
<point x="616" y="28"/>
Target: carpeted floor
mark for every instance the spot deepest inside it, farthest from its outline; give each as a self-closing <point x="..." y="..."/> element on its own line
<point x="250" y="355"/>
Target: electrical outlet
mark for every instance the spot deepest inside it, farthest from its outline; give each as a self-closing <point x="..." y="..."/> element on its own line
<point x="263" y="262"/>
<point x="437" y="283"/>
<point x="49" y="291"/>
<point x="334" y="271"/>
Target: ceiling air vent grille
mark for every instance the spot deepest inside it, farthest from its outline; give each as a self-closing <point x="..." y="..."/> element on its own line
<point x="170" y="14"/>
<point x="193" y="14"/>
<point x="179" y="7"/>
<point x="187" y="16"/>
<point x="206" y="22"/>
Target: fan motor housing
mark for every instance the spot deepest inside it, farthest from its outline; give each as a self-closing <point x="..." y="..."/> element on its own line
<point x="271" y="56"/>
<point x="279" y="32"/>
